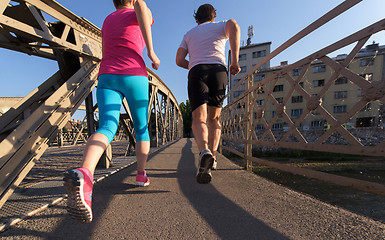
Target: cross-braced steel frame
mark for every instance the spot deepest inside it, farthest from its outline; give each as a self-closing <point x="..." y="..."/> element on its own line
<point x="241" y="117"/>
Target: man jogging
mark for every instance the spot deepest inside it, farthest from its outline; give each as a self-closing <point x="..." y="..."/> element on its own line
<point x="207" y="80"/>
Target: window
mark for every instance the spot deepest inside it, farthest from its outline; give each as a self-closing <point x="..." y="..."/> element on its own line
<point x="242" y="57"/>
<point x="274" y="113"/>
<point x="259" y="54"/>
<point x="297" y="72"/>
<point x="339" y="109"/>
<point x="359" y="93"/>
<point x="340" y="94"/>
<point x="279" y="100"/>
<point x="320" y="68"/>
<point x="341" y="80"/>
<point x="278" y="88"/>
<point x="319" y="83"/>
<point x="296" y="112"/>
<point x="260" y="127"/>
<point x="260" y="102"/>
<point x="315" y="112"/>
<point x="277" y="126"/>
<point x="317" y="123"/>
<point x="366" y="62"/>
<point x="296" y="99"/>
<point x="367" y="76"/>
<point x="243" y="69"/>
<point x="259" y="77"/>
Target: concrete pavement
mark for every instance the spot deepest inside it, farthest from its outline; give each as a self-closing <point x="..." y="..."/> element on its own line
<point x="236" y="205"/>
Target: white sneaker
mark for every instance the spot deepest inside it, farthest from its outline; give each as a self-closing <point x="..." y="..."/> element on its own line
<point x="215" y="163"/>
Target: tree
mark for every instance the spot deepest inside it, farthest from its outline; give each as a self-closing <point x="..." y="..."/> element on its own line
<point x="185" y="108"/>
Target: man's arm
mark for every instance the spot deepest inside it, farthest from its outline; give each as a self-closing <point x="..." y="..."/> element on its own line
<point x="181" y="58"/>
<point x="233" y="32"/>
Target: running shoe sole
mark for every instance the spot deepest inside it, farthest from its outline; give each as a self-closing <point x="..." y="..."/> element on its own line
<point x="76" y="205"/>
<point x="142" y="184"/>
<point x="204" y="171"/>
<point x="214" y="167"/>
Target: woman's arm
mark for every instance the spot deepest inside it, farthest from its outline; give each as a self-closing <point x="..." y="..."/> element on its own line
<point x="144" y="17"/>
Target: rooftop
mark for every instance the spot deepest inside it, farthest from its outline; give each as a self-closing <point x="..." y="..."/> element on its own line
<point x="369" y="50"/>
<point x="255" y="45"/>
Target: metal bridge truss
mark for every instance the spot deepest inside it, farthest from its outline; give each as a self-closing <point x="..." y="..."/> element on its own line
<point x="241" y="117"/>
<point x="75" y="43"/>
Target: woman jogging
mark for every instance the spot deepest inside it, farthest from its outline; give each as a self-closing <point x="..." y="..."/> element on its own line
<point x="122" y="73"/>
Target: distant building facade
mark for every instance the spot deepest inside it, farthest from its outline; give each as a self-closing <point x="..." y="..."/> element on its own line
<point x="342" y="95"/>
<point x="249" y="56"/>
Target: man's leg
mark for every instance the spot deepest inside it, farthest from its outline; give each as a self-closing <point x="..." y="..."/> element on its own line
<point x="200" y="130"/>
<point x="214" y="128"/>
<point x="199" y="127"/>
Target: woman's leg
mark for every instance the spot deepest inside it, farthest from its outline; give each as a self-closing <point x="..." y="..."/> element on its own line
<point x="109" y="104"/>
<point x="142" y="149"/>
<point x="79" y="182"/>
<point x="137" y="94"/>
<point x="96" y="145"/>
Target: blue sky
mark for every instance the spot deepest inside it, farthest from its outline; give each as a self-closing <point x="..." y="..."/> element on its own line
<point x="274" y="21"/>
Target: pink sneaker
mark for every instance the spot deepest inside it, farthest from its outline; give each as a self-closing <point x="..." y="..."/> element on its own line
<point x="142" y="180"/>
<point x="78" y="184"/>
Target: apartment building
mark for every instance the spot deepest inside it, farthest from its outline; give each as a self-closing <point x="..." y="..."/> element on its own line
<point x="342" y="95"/>
<point x="249" y="56"/>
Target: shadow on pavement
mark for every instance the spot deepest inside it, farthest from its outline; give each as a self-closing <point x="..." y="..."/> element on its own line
<point x="227" y="219"/>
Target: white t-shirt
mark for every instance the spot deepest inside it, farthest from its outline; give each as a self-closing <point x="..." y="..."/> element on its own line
<point x="206" y="43"/>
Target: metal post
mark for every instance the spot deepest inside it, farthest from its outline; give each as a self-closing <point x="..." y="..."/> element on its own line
<point x="156" y="123"/>
<point x="90" y="115"/>
<point x="248" y="145"/>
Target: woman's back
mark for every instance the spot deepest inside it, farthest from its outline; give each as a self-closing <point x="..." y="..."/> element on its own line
<point x="123" y="45"/>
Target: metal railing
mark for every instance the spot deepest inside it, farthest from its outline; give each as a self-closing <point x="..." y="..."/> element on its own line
<point x="245" y="120"/>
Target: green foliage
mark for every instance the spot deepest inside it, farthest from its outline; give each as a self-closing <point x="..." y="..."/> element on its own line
<point x="185" y="108"/>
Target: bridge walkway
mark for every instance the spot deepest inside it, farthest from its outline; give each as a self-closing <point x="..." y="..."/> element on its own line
<point x="236" y="205"/>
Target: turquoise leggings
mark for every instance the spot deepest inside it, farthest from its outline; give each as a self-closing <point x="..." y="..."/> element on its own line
<point x="109" y="94"/>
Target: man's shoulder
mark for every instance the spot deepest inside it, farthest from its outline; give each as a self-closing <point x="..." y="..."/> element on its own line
<point x="207" y="25"/>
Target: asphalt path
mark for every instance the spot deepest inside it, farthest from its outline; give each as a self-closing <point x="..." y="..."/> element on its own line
<point x="236" y="205"/>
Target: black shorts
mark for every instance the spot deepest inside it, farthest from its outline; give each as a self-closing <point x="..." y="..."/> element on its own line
<point x="207" y="84"/>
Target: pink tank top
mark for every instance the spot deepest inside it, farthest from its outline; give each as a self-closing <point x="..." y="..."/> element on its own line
<point x="123" y="45"/>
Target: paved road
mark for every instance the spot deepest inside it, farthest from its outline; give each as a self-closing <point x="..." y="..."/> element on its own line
<point x="236" y="205"/>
